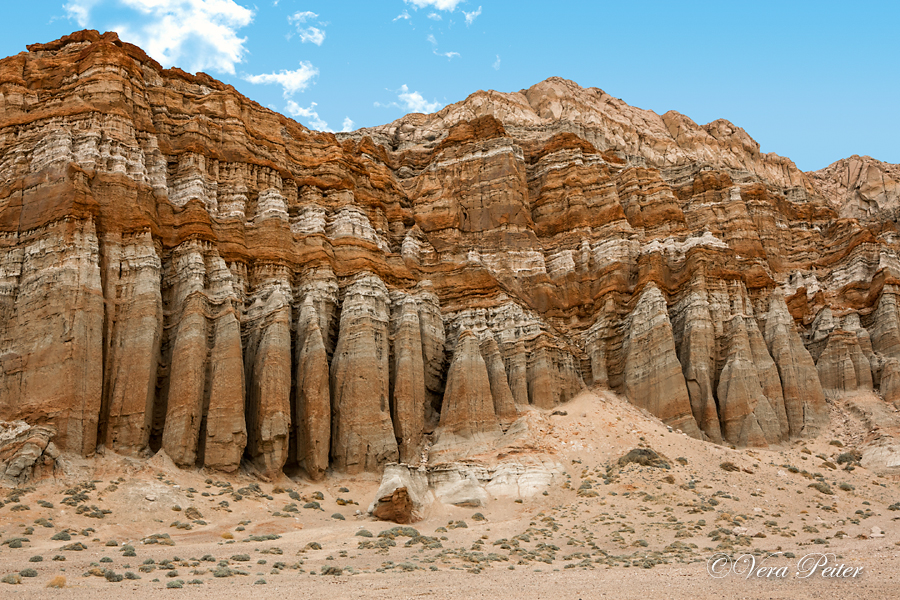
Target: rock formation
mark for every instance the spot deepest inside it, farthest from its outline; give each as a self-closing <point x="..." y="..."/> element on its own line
<point x="182" y="269"/>
<point x="468" y="416"/>
<point x="312" y="416"/>
<point x="403" y="496"/>
<point x="26" y="452"/>
<point x="653" y="377"/>
<point x="362" y="434"/>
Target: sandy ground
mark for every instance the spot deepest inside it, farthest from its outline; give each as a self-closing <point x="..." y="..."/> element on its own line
<point x="609" y="532"/>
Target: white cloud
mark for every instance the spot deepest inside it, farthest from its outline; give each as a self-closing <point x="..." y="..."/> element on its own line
<point x="79" y="10"/>
<point x="415" y="102"/>
<point x="347" y="125"/>
<point x="404" y="15"/>
<point x="448" y="5"/>
<point x="471" y="16"/>
<point x="310" y="114"/>
<point x="496" y="64"/>
<point x="431" y="39"/>
<point x="434" y="16"/>
<point x="449" y="55"/>
<point x="194" y="34"/>
<point x="302" y="17"/>
<point x="291" y="81"/>
<point x="312" y="34"/>
<point x="307" y="34"/>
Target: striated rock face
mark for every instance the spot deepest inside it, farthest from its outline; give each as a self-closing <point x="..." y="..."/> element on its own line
<point x="467" y="414"/>
<point x="201" y="364"/>
<point x="26" y="452"/>
<point x="409" y="383"/>
<point x="133" y="331"/>
<point x="747" y="415"/>
<point x="653" y="377"/>
<point x="362" y="434"/>
<point x="804" y="401"/>
<point x="312" y="416"/>
<point x="183" y="269"/>
<point x="865" y="188"/>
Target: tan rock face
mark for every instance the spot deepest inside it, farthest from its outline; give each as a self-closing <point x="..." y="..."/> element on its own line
<point x="362" y="434"/>
<point x="504" y="403"/>
<point x="467" y="413"/>
<point x="409" y="383"/>
<point x="403" y="496"/>
<point x="202" y="419"/>
<point x="866" y="189"/>
<point x="804" y="401"/>
<point x="183" y="269"/>
<point x="748" y="416"/>
<point x="53" y="331"/>
<point x="312" y="415"/>
<point x="26" y="452"/>
<point x="842" y="365"/>
<point x="653" y="377"/>
<point x="132" y="333"/>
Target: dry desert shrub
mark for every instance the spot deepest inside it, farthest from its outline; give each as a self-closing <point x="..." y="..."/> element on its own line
<point x="58" y="582"/>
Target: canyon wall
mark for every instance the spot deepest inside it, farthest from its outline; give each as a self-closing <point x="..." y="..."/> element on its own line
<point x="183" y="269"/>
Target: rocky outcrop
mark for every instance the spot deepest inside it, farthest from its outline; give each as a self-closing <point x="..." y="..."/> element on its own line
<point x="409" y="383"/>
<point x="182" y="269"/>
<point x="890" y="381"/>
<point x="468" y="419"/>
<point x="504" y="403"/>
<point x="312" y="414"/>
<point x="362" y="434"/>
<point x="804" y="401"/>
<point x="133" y="330"/>
<point x="51" y="324"/>
<point x="476" y="484"/>
<point x="205" y="328"/>
<point x="653" y="377"/>
<point x="748" y="416"/>
<point x="697" y="355"/>
<point x="26" y="452"/>
<point x="403" y="496"/>
<point x="268" y="372"/>
<point x="842" y="366"/>
<point x="865" y="188"/>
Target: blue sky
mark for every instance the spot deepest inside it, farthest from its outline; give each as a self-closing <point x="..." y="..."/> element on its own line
<point x="814" y="81"/>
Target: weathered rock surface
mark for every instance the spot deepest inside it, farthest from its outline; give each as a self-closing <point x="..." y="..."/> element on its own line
<point x="405" y="493"/>
<point x="312" y="416"/>
<point x="362" y="435"/>
<point x="403" y="496"/>
<point x="865" y="188"/>
<point x="476" y="484"/>
<point x="653" y="377"/>
<point x="26" y="451"/>
<point x="468" y="417"/>
<point x="804" y="401"/>
<point x="184" y="270"/>
<point x="409" y="383"/>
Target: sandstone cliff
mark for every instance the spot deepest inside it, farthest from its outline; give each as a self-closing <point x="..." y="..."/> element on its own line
<point x="183" y="269"/>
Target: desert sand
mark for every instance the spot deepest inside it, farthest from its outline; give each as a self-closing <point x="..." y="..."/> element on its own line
<point x="609" y="531"/>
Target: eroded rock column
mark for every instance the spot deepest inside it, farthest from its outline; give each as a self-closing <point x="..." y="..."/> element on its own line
<point x="362" y="434"/>
<point x="653" y="377"/>
<point x="312" y="414"/>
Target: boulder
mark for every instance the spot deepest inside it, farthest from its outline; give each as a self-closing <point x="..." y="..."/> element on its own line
<point x="403" y="496"/>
